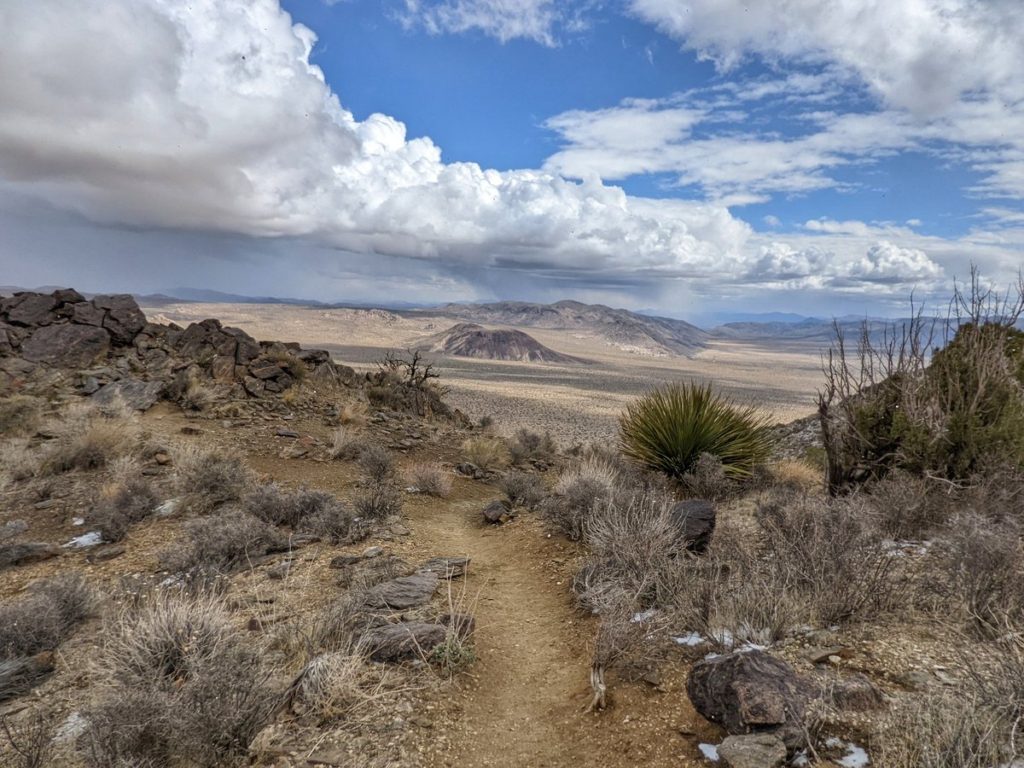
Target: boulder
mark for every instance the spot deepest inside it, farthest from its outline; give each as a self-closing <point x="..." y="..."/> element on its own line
<point x="695" y="521"/>
<point x="124" y="320"/>
<point x="395" y="642"/>
<point x="855" y="693"/>
<point x="32" y="310"/>
<point x="403" y="592"/>
<point x="87" y="313"/>
<point x="138" y="395"/>
<point x="71" y="346"/>
<point x="265" y="369"/>
<point x="67" y="296"/>
<point x="758" y="750"/>
<point x="23" y="554"/>
<point x="747" y="691"/>
<point x="498" y="511"/>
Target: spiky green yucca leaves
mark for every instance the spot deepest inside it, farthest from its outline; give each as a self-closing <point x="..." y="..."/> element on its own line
<point x="668" y="429"/>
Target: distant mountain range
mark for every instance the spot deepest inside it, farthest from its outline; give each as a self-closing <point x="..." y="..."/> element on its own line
<point x="619" y="327"/>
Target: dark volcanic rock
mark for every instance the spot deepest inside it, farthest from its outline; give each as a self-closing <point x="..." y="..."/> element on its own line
<point x="498" y="511"/>
<point x="124" y="320"/>
<point x="695" y="521"/>
<point x="403" y="592"/>
<point x="87" y="313"/>
<point x="66" y="345"/>
<point x="446" y="567"/>
<point x="139" y="395"/>
<point x="32" y="309"/>
<point x="758" y="750"/>
<point x="749" y="691"/>
<point x="395" y="642"/>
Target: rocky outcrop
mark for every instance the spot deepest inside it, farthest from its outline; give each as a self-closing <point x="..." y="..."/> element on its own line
<point x="109" y="344"/>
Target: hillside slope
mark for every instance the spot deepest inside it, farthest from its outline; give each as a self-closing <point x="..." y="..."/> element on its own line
<point x="472" y="340"/>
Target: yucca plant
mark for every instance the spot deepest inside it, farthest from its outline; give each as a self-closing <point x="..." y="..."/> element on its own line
<point x="669" y="428"/>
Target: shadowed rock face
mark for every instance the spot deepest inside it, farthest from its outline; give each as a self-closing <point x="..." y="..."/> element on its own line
<point x="471" y="340"/>
<point x="108" y="342"/>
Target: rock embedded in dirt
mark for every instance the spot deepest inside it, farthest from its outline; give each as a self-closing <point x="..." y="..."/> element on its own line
<point x="446" y="567"/>
<point x="498" y="511"/>
<point x="403" y="592"/>
<point x="748" y="691"/>
<point x="12" y="528"/>
<point x="695" y="521"/>
<point x="855" y="694"/>
<point x="344" y="561"/>
<point x="408" y="640"/>
<point x="756" y="750"/>
<point x="23" y="554"/>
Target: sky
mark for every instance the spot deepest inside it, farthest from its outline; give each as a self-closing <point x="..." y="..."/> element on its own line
<point x="689" y="157"/>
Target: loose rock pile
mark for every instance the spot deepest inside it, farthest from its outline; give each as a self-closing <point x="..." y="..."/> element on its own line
<point x="114" y="351"/>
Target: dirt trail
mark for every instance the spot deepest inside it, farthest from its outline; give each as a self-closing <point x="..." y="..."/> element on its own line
<point x="526" y="683"/>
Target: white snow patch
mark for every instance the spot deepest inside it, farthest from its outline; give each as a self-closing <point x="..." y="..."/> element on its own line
<point x="710" y="751"/>
<point x="78" y="521"/>
<point x="90" y="539"/>
<point x="647" y="615"/>
<point x="167" y="508"/>
<point x="855" y="757"/>
<point x="691" y="639"/>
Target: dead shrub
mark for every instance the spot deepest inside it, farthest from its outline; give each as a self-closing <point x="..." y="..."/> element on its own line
<point x="486" y="452"/>
<point x="906" y="506"/>
<point x="18" y="461"/>
<point x="207" y="479"/>
<point x="523" y="489"/>
<point x="430" y="478"/>
<point x="377" y="463"/>
<point x="334" y="684"/>
<point x="707" y="479"/>
<point x="42" y="619"/>
<point x="222" y="543"/>
<point x="198" y="692"/>
<point x="19" y="415"/>
<point x="984" y="565"/>
<point x="296" y="509"/>
<point x="531" y="446"/>
<point x="378" y="501"/>
<point x="30" y="742"/>
<point x="579" y="490"/>
<point x="121" y="505"/>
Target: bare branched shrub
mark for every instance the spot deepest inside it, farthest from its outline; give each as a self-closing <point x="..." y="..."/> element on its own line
<point x="529" y="446"/>
<point x="45" y="617"/>
<point x="19" y="415"/>
<point x="222" y="543"/>
<point x="207" y="479"/>
<point x="377" y="464"/>
<point x="430" y="478"/>
<point x="30" y="742"/>
<point x="984" y="564"/>
<point x="334" y="684"/>
<point x="486" y="452"/>
<point x="121" y="505"/>
<point x="378" y="501"/>
<point x="524" y="489"/>
<point x="183" y="687"/>
<point x="579" y="490"/>
<point x="305" y="509"/>
<point x="708" y="479"/>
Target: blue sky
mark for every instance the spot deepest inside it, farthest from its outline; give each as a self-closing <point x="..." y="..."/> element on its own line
<point x="685" y="155"/>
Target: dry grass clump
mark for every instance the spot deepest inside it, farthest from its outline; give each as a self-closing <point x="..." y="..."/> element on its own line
<point x="976" y="724"/>
<point x="796" y="475"/>
<point x="19" y="415"/>
<point x="486" y="452"/>
<point x="123" y="504"/>
<point x="353" y="413"/>
<point x="87" y="438"/>
<point x="222" y="543"/>
<point x="206" y="479"/>
<point x="579" y="490"/>
<point x="18" y="461"/>
<point x="184" y="688"/>
<point x="45" y="617"/>
<point x="197" y="396"/>
<point x="523" y="489"/>
<point x="531" y="446"/>
<point x="430" y="478"/>
<point x="346" y="445"/>
<point x="304" y="510"/>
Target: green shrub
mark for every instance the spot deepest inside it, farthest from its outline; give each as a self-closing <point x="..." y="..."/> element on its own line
<point x="668" y="430"/>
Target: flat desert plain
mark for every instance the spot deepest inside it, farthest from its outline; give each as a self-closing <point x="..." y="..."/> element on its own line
<point x="576" y="403"/>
